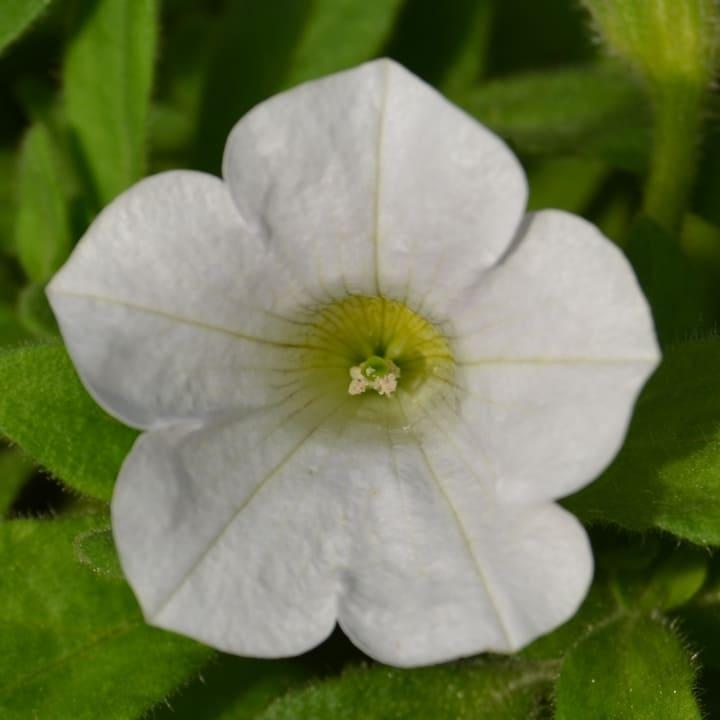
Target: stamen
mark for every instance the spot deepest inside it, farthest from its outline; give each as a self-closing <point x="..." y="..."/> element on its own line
<point x="376" y="373"/>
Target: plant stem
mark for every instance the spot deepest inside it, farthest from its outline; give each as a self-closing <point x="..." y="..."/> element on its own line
<point x="674" y="156"/>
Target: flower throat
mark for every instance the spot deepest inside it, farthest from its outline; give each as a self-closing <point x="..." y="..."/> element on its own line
<point x="375" y="346"/>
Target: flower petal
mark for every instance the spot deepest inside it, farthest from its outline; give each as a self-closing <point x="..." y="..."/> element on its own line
<point x="370" y="182"/>
<point x="441" y="571"/>
<point x="232" y="534"/>
<point x="170" y="308"/>
<point x="552" y="348"/>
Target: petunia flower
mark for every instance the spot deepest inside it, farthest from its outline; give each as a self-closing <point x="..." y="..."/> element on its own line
<point x="363" y="374"/>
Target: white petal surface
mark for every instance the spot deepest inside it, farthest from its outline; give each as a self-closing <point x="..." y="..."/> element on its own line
<point x="255" y="534"/>
<point x="370" y="182"/>
<point x="171" y="308"/>
<point x="552" y="347"/>
<point x="441" y="571"/>
<point x="232" y="534"/>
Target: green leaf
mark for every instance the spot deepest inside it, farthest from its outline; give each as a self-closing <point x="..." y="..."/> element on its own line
<point x="679" y="291"/>
<point x="74" y="644"/>
<point x="35" y="314"/>
<point x="339" y="34"/>
<point x="480" y="689"/>
<point x="16" y="16"/>
<point x="15" y="469"/>
<point x="42" y="226"/>
<point x="95" y="549"/>
<point x="12" y="331"/>
<point x="458" y="33"/>
<point x="668" y="473"/>
<point x="257" y="56"/>
<point x="634" y="576"/>
<point x="565" y="183"/>
<point x="107" y="81"/>
<point x="45" y="410"/>
<point x="633" y="668"/>
<point x="234" y="688"/>
<point x="672" y="581"/>
<point x="593" y="110"/>
<point x="8" y="161"/>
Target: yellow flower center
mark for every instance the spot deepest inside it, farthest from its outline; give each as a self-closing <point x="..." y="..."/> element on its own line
<point x="375" y="348"/>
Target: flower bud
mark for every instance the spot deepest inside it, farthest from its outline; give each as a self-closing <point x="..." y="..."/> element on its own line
<point x="665" y="40"/>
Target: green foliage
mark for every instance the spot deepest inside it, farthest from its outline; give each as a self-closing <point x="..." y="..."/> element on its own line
<point x="565" y="183"/>
<point x="14" y="470"/>
<point x="593" y="110"/>
<point x="73" y="644"/>
<point x="348" y="33"/>
<point x="107" y="79"/>
<point x="95" y="549"/>
<point x="315" y="37"/>
<point x="632" y="668"/>
<point x="679" y="291"/>
<point x="234" y="688"/>
<point x="16" y="16"/>
<point x="12" y="330"/>
<point x="72" y="437"/>
<point x="664" y="39"/>
<point x="668" y="473"/>
<point x="42" y="226"/>
<point x="669" y="582"/>
<point x="673" y="46"/>
<point x="7" y="201"/>
<point x="632" y="579"/>
<point x="458" y="33"/>
<point x="481" y="689"/>
<point x="699" y="620"/>
<point x="33" y="311"/>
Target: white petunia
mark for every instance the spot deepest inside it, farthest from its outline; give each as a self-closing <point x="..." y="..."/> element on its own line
<point x="363" y="375"/>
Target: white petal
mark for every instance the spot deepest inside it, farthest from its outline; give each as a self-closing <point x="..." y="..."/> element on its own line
<point x="370" y="182"/>
<point x="552" y="347"/>
<point x="233" y="534"/>
<point x="170" y="308"/>
<point x="255" y="534"/>
<point x="441" y="571"/>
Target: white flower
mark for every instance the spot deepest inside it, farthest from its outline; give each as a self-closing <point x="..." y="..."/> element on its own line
<point x="363" y="376"/>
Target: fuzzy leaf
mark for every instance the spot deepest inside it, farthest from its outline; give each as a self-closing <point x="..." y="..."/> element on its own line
<point x="16" y="16"/>
<point x="479" y="689"/>
<point x="633" y="668"/>
<point x="592" y="110"/>
<point x="74" y="644"/>
<point x="668" y="473"/>
<point x="14" y="471"/>
<point x="107" y="79"/>
<point x="234" y="688"/>
<point x="42" y="226"/>
<point x="45" y="410"/>
<point x="700" y="620"/>
<point x="95" y="549"/>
